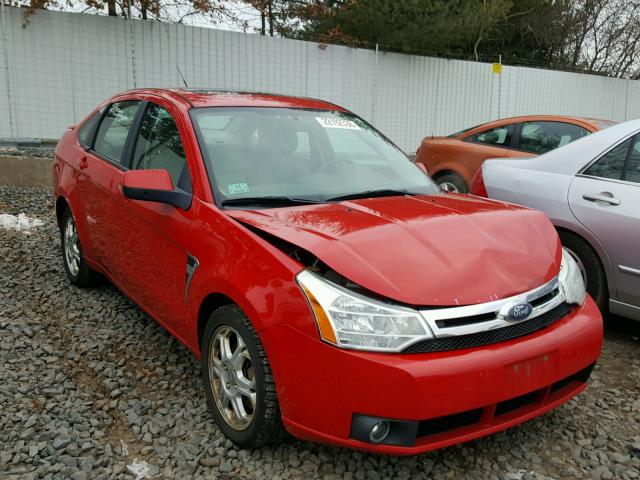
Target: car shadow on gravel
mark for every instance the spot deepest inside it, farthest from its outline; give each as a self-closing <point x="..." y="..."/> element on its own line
<point x="91" y="385"/>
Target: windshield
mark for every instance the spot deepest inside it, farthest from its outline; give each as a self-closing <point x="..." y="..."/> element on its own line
<point x="300" y="156"/>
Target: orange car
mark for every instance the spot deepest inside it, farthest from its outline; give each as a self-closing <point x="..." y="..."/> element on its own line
<point x="453" y="161"/>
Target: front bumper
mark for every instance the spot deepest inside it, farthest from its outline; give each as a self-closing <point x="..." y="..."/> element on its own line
<point x="481" y="390"/>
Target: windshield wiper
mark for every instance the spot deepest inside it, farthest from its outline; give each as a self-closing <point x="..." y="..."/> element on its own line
<point x="270" y="201"/>
<point x="370" y="194"/>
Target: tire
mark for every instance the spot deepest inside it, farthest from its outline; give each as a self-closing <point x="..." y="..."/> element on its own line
<point x="78" y="272"/>
<point x="452" y="182"/>
<point x="595" y="276"/>
<point x="264" y="426"/>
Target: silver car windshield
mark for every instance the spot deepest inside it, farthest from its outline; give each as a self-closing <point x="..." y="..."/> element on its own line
<point x="304" y="155"/>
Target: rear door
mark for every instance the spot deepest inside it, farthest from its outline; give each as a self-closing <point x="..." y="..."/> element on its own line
<point x="496" y="142"/>
<point x="605" y="197"/>
<point x="102" y="168"/>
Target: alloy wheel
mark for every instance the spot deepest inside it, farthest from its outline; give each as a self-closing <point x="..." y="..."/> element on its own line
<point x="448" y="187"/>
<point x="72" y="247"/>
<point x="232" y="377"/>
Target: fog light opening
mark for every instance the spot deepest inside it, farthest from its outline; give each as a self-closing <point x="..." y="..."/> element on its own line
<point x="379" y="431"/>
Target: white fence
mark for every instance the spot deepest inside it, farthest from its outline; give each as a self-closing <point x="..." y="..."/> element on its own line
<point x="62" y="64"/>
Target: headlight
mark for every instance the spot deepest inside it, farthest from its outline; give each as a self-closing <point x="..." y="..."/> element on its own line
<point x="349" y="320"/>
<point x="571" y="281"/>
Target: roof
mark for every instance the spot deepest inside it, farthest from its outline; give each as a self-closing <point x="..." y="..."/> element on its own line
<point x="227" y="98"/>
<point x="528" y="118"/>
<point x="573" y="156"/>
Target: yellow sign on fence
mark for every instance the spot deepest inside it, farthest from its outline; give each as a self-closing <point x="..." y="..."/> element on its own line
<point x="496" y="68"/>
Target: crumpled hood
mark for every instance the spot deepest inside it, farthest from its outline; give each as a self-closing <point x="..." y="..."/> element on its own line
<point x="440" y="250"/>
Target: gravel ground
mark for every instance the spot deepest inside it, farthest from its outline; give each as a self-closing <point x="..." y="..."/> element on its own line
<point x="91" y="387"/>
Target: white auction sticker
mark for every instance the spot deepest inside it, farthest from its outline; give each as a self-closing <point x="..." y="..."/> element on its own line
<point x="331" y="122"/>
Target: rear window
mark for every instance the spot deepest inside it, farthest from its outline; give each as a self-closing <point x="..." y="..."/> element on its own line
<point x="114" y="129"/>
<point x="602" y="124"/>
<point x="87" y="131"/>
<point x="543" y="136"/>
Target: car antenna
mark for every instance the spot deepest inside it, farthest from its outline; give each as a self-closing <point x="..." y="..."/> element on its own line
<point x="182" y="77"/>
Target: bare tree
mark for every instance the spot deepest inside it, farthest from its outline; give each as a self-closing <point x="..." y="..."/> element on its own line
<point x="600" y="37"/>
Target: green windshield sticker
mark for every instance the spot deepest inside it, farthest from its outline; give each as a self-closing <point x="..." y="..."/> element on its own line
<point x="235" y="188"/>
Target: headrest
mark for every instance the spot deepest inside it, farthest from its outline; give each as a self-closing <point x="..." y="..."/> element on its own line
<point x="278" y="137"/>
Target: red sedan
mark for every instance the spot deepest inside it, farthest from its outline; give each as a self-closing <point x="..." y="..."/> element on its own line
<point x="328" y="287"/>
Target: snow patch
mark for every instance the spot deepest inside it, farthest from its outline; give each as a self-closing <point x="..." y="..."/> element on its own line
<point x="124" y="449"/>
<point x="141" y="470"/>
<point x="21" y="223"/>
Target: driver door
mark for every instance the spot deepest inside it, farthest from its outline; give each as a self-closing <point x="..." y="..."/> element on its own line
<point x="155" y="257"/>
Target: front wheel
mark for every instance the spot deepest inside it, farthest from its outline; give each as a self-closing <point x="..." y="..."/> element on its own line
<point x="238" y="383"/>
<point x="452" y="182"/>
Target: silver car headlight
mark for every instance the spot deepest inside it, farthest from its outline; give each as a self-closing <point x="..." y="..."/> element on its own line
<point x="571" y="281"/>
<point x="349" y="320"/>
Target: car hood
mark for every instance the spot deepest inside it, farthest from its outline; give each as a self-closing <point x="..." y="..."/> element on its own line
<point x="439" y="250"/>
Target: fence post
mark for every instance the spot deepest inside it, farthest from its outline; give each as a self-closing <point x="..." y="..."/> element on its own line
<point x="132" y="48"/>
<point x="373" y="93"/>
<point x="5" y="60"/>
<point x="500" y="85"/>
<point x="626" y="99"/>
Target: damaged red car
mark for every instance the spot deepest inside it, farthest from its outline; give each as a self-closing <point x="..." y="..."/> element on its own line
<point x="329" y="288"/>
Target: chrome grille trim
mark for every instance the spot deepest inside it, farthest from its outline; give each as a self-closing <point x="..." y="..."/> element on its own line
<point x="431" y="317"/>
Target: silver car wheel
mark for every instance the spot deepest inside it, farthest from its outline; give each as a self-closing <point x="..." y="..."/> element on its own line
<point x="71" y="247"/>
<point x="232" y="377"/>
<point x="583" y="270"/>
<point x="448" y="187"/>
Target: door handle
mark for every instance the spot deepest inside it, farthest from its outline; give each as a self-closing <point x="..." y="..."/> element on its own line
<point x="606" y="197"/>
<point x="84" y="163"/>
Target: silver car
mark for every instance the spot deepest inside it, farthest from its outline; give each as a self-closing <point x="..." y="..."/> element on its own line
<point x="590" y="189"/>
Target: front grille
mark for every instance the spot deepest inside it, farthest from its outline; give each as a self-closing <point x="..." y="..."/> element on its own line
<point x="484" y="317"/>
<point x="488" y="337"/>
<point x="518" y="402"/>
<point x="449" y="422"/>
<point x="469" y="418"/>
<point x="581" y="376"/>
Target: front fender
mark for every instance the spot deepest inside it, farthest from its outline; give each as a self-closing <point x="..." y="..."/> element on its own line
<point x="254" y="274"/>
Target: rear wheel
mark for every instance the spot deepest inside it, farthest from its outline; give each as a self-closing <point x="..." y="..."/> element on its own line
<point x="590" y="267"/>
<point x="452" y="182"/>
<point x="238" y="383"/>
<point x="77" y="270"/>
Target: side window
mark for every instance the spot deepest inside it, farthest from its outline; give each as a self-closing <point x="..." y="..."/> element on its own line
<point x="632" y="171"/>
<point x="611" y="164"/>
<point x="542" y="137"/>
<point x="113" y="131"/>
<point x="158" y="146"/>
<point x="499" y="136"/>
<point x="87" y="131"/>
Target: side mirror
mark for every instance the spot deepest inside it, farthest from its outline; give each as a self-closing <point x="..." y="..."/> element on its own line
<point x="154" y="186"/>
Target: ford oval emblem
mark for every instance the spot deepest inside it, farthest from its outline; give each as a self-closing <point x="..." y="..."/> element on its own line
<point x="518" y="312"/>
